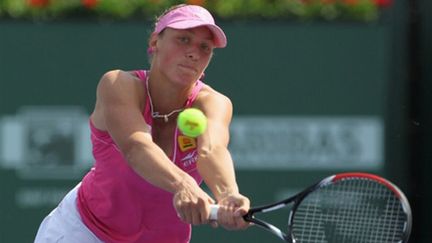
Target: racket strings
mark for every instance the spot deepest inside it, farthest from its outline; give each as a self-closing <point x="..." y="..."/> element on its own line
<point x="350" y="211"/>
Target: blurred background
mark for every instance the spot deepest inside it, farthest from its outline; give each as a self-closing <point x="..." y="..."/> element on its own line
<point x="318" y="86"/>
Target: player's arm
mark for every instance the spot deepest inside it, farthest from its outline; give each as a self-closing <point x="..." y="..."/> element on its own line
<point x="119" y="111"/>
<point x="215" y="163"/>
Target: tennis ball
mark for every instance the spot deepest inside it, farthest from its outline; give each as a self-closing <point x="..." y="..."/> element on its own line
<point x="192" y="122"/>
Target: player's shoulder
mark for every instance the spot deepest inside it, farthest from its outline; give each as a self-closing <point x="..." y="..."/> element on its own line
<point x="209" y="94"/>
<point x="118" y="75"/>
<point x="114" y="78"/>
<point x="119" y="82"/>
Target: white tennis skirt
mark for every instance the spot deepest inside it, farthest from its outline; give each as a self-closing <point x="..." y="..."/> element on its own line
<point x="64" y="224"/>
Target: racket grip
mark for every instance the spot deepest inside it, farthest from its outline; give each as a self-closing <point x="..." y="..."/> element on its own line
<point x="214" y="208"/>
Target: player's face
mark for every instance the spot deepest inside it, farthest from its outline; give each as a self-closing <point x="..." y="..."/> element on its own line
<point x="183" y="55"/>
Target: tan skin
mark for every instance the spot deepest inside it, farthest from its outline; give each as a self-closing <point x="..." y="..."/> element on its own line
<point x="179" y="58"/>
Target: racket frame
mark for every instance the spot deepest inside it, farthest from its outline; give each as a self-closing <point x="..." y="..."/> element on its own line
<point x="298" y="198"/>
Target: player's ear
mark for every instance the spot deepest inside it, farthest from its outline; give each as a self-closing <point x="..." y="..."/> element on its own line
<point x="152" y="43"/>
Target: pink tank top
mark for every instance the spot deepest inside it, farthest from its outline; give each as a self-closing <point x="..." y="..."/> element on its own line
<point x="117" y="205"/>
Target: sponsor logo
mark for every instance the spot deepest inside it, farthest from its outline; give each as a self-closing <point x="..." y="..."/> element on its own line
<point x="186" y="143"/>
<point x="190" y="159"/>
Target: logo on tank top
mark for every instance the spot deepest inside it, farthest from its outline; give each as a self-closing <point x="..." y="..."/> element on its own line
<point x="190" y="159"/>
<point x="186" y="143"/>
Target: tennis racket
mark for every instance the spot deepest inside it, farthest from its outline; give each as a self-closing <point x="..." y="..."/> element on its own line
<point x="342" y="208"/>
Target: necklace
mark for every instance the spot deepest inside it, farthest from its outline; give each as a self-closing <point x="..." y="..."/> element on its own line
<point x="155" y="114"/>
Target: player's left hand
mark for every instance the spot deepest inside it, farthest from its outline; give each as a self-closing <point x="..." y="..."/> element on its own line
<point x="232" y="207"/>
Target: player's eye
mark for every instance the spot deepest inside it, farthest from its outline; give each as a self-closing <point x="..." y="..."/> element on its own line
<point x="206" y="47"/>
<point x="184" y="39"/>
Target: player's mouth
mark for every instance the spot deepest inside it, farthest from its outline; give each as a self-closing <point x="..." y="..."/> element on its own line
<point x="188" y="68"/>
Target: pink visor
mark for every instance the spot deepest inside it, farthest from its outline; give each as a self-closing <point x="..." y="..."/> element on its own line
<point x="191" y="16"/>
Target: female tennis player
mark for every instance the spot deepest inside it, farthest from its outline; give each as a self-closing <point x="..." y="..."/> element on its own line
<point x="144" y="186"/>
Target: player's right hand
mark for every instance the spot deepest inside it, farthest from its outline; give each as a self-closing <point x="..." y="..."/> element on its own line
<point x="192" y="203"/>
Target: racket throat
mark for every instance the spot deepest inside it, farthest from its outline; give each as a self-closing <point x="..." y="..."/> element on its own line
<point x="273" y="229"/>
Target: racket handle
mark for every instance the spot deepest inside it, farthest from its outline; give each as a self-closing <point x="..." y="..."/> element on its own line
<point x="214" y="208"/>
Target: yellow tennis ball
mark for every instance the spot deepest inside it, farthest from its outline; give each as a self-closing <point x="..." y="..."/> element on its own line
<point x="192" y="122"/>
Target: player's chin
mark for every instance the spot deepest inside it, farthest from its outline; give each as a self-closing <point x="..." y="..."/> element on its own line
<point x="188" y="75"/>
